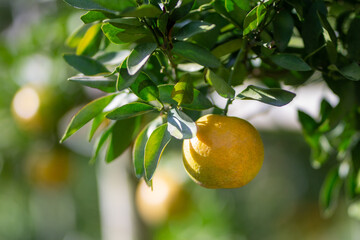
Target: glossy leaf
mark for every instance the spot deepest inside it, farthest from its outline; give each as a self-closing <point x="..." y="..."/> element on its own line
<point x="97" y="121"/>
<point x="183" y="91"/>
<point x="130" y="110"/>
<point x="85" y="65"/>
<point x="93" y="16"/>
<point x="290" y="62"/>
<point x="145" y="10"/>
<point x="192" y="28"/>
<point x="351" y="72"/>
<point x="144" y="88"/>
<point x="120" y="36"/>
<point x="87" y="5"/>
<point x="85" y="114"/>
<point x="283" y="29"/>
<point x="106" y="84"/>
<point x="219" y="84"/>
<point x="273" y="96"/>
<point x="254" y="18"/>
<point x="329" y="192"/>
<point x="125" y="79"/>
<point x="121" y="137"/>
<point x="200" y="102"/>
<point x="196" y="54"/>
<point x="139" y="146"/>
<point x="139" y="56"/>
<point x="180" y="125"/>
<point x="154" y="148"/>
<point x="181" y="10"/>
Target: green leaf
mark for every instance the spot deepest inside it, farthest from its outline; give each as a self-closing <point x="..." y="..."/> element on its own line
<point x="139" y="146"/>
<point x="85" y="114"/>
<point x="351" y="72"/>
<point x="283" y="29"/>
<point x="182" y="10"/>
<point x="145" y="10"/>
<point x="144" y="88"/>
<point x="86" y="65"/>
<point x="183" y="91"/>
<point x="191" y="29"/>
<point x="130" y="110"/>
<point x="353" y="39"/>
<point x="308" y="124"/>
<point x="162" y="23"/>
<point x="106" y="84"/>
<point x="74" y="39"/>
<point x="93" y="16"/>
<point x="154" y="148"/>
<point x="227" y="48"/>
<point x="123" y="35"/>
<point x="180" y="125"/>
<point x="254" y="18"/>
<point x="116" y="5"/>
<point x="196" y="54"/>
<point x="125" y="79"/>
<point x="87" y="5"/>
<point x="273" y="96"/>
<point x="97" y="121"/>
<point x="234" y="11"/>
<point x="290" y="62"/>
<point x="221" y="87"/>
<point x="100" y="141"/>
<point x="121" y="137"/>
<point x="325" y="23"/>
<point x="329" y="192"/>
<point x="139" y="56"/>
<point x="200" y="102"/>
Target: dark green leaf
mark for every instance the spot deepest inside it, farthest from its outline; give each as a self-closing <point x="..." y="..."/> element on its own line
<point x="283" y="29"/>
<point x="329" y="192"/>
<point x="290" y="62"/>
<point x="234" y="11"/>
<point x="86" y="65"/>
<point x="125" y="79"/>
<point x="254" y="18"/>
<point x="196" y="54"/>
<point x="227" y="48"/>
<point x="139" y="146"/>
<point x="351" y="71"/>
<point x="139" y="56"/>
<point x="273" y="96"/>
<point x="106" y="84"/>
<point x="162" y="23"/>
<point x="221" y="87"/>
<point x="145" y="10"/>
<point x="308" y="124"/>
<point x="87" y="5"/>
<point x="121" y="137"/>
<point x="116" y="5"/>
<point x="191" y="29"/>
<point x="144" y="88"/>
<point x="200" y="101"/>
<point x="180" y="125"/>
<point x="353" y="39"/>
<point x="130" y="110"/>
<point x="183" y="91"/>
<point x="154" y="148"/>
<point x="182" y="10"/>
<point x="87" y="113"/>
<point x="324" y="22"/>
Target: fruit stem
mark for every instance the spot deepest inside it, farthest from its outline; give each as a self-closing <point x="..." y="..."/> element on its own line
<point x="229" y="101"/>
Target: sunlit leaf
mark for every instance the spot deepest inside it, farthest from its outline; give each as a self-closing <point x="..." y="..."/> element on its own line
<point x="183" y="91"/>
<point x="191" y="29"/>
<point x="130" y="110"/>
<point x="139" y="56"/>
<point x="254" y="18"/>
<point x="144" y="88"/>
<point x="273" y="96"/>
<point x="180" y="125"/>
<point x="154" y="148"/>
<point x="86" y="65"/>
<point x="85" y="114"/>
<point x="219" y="84"/>
<point x="106" y="84"/>
<point x="196" y="54"/>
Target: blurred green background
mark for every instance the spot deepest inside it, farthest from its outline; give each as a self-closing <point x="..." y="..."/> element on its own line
<point x="50" y="191"/>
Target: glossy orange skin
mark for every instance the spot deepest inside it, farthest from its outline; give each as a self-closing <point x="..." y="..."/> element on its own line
<point x="227" y="152"/>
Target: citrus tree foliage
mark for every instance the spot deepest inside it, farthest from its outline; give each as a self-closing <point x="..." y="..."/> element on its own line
<point x="173" y="53"/>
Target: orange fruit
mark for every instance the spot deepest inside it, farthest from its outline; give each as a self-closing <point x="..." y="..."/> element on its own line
<point x="227" y="152"/>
